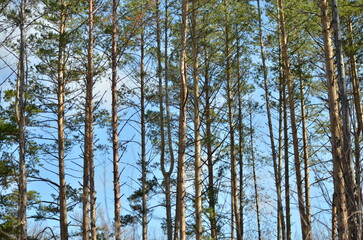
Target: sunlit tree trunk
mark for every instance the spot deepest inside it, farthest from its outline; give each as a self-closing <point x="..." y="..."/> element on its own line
<point x="234" y="189"/>
<point x="115" y="143"/>
<point x="166" y="173"/>
<point x="143" y="141"/>
<point x="353" y="72"/>
<point x="305" y="144"/>
<point x="210" y="164"/>
<point x="21" y="118"/>
<point x="348" y="168"/>
<point x="280" y="213"/>
<point x="197" y="160"/>
<point x="61" y="122"/>
<point x="88" y="168"/>
<point x="339" y="198"/>
<point x="258" y="216"/>
<point x="305" y="223"/>
<point x="181" y="194"/>
<point x="241" y="136"/>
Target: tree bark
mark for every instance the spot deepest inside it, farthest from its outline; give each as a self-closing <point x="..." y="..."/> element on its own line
<point x="21" y="118"/>
<point x="234" y="189"/>
<point x="305" y="223"/>
<point x="143" y="140"/>
<point x="166" y="174"/>
<point x="359" y="115"/>
<point x="115" y="124"/>
<point x="258" y="216"/>
<point x="354" y="225"/>
<point x="197" y="159"/>
<point x="305" y="144"/>
<point x="241" y="136"/>
<point x="61" y="122"/>
<point x="210" y="163"/>
<point x="280" y="213"/>
<point x="181" y="194"/>
<point x="339" y="198"/>
<point x="88" y="168"/>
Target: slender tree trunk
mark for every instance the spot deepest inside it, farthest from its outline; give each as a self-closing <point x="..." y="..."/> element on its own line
<point x="359" y="114"/>
<point x="197" y="163"/>
<point x="21" y="85"/>
<point x="208" y="120"/>
<point x="258" y="216"/>
<point x="143" y="142"/>
<point x="305" y="144"/>
<point x="166" y="174"/>
<point x="281" y="221"/>
<point x="181" y="194"/>
<point x="280" y="213"/>
<point x="234" y="189"/>
<point x="61" y="122"/>
<point x="90" y="102"/>
<point x="170" y="141"/>
<point x="305" y="223"/>
<point x="286" y="161"/>
<point x="339" y="198"/>
<point x="115" y="143"/>
<point x="354" y="223"/>
<point x="241" y="137"/>
<point x="88" y="168"/>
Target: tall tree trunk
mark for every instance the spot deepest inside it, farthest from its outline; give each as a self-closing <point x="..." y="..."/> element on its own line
<point x="283" y="144"/>
<point x="88" y="168"/>
<point x="234" y="189"/>
<point x="354" y="223"/>
<point x="115" y="143"/>
<point x="197" y="160"/>
<point x="168" y="125"/>
<point x="210" y="164"/>
<point x="286" y="163"/>
<point x="181" y="194"/>
<point x="166" y="174"/>
<point x="21" y="118"/>
<point x="143" y="141"/>
<point x="280" y="213"/>
<point x="90" y="103"/>
<point x="241" y="136"/>
<point x="61" y="122"/>
<point x="305" y="144"/>
<point x="359" y="115"/>
<point x="339" y="198"/>
<point x="305" y="223"/>
<point x="258" y="216"/>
